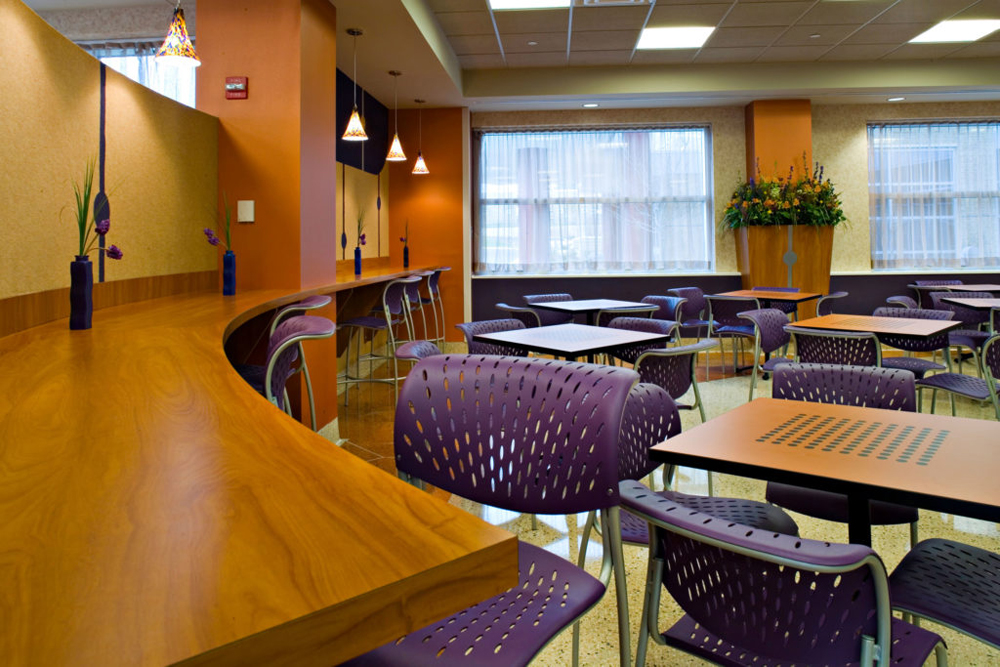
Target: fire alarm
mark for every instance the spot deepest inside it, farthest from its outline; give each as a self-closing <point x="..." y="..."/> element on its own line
<point x="236" y="87"/>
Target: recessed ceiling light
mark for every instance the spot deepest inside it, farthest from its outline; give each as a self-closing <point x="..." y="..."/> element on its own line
<point x="815" y="35"/>
<point x="674" y="38"/>
<point x="500" y="5"/>
<point x="895" y="99"/>
<point x="591" y="105"/>
<point x="532" y="43"/>
<point x="957" y="31"/>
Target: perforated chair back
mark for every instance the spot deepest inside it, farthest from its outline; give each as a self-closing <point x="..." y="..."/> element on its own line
<point x="784" y="306"/>
<point x="528" y="316"/>
<point x="768" y="597"/>
<point x="549" y="317"/>
<point x="694" y="304"/>
<point x="914" y="343"/>
<point x="725" y="310"/>
<point x="669" y="308"/>
<point x="864" y="386"/>
<point x="923" y="288"/>
<point x="630" y="353"/>
<point x="848" y="348"/>
<point x="825" y="304"/>
<point x="673" y="369"/>
<point x="309" y="303"/>
<point x="283" y="351"/>
<point x="472" y="329"/>
<point x="650" y="417"/>
<point x="605" y="316"/>
<point x="769" y="325"/>
<point x="995" y="320"/>
<point x="971" y="317"/>
<point x="901" y="301"/>
<point x="991" y="369"/>
<point x="415" y="350"/>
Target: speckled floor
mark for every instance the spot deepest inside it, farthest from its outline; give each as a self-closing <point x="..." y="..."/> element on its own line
<point x="366" y="425"/>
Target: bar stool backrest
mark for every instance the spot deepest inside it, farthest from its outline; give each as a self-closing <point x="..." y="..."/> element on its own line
<point x="283" y="351"/>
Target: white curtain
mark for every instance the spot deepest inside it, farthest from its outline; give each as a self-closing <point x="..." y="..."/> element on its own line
<point x="934" y="194"/>
<point x="594" y="201"/>
<point x="136" y="61"/>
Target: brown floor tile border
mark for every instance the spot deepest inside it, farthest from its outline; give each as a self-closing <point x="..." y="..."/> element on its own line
<point x="29" y="310"/>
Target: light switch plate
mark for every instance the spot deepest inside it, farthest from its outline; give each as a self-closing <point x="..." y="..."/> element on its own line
<point x="244" y="211"/>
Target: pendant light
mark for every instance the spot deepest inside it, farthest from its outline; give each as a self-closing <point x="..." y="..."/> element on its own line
<point x="355" y="130"/>
<point x="419" y="166"/>
<point x="396" y="153"/>
<point x="177" y="48"/>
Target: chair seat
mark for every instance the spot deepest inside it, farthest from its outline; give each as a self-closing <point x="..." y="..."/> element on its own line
<point x="697" y="323"/>
<point x="501" y="631"/>
<point x="971" y="338"/>
<point x="910" y="645"/>
<point x="953" y="583"/>
<point x="833" y="506"/>
<point x="749" y="512"/>
<point x="366" y="322"/>
<point x="919" y="367"/>
<point x="966" y="385"/>
<point x="774" y="362"/>
<point x="735" y="330"/>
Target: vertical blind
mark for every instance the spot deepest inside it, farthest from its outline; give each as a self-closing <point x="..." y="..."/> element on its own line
<point x="934" y="194"/>
<point x="604" y="200"/>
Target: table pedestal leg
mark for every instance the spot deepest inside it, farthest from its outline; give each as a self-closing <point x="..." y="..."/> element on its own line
<point x="859" y="523"/>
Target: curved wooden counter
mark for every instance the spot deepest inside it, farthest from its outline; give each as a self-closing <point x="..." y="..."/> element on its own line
<point x="155" y="509"/>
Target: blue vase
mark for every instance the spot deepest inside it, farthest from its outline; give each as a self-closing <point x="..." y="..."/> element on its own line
<point x="357" y="260"/>
<point x="81" y="292"/>
<point x="229" y="273"/>
<point x="406" y="256"/>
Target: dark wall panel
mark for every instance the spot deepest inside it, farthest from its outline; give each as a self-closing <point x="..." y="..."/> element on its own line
<point x="376" y="123"/>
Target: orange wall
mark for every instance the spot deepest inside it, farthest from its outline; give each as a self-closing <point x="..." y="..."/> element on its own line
<point x="432" y="203"/>
<point x="778" y="133"/>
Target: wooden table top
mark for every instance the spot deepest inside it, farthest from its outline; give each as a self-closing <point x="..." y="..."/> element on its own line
<point x="155" y="509"/>
<point x="767" y="295"/>
<point x="937" y="462"/>
<point x="900" y="326"/>
<point x="570" y="340"/>
<point x="587" y="305"/>
<point x="978" y="304"/>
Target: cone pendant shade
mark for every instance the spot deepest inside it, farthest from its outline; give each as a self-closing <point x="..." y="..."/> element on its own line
<point x="177" y="48"/>
<point x="396" y="153"/>
<point x="420" y="167"/>
<point x="355" y="131"/>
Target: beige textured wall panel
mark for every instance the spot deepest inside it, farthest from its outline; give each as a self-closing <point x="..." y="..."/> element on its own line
<point x="840" y="143"/>
<point x="728" y="147"/>
<point x="161" y="169"/>
<point x="360" y="192"/>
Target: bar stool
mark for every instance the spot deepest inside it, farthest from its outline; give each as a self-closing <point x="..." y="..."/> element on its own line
<point x="395" y="311"/>
<point x="437" y="305"/>
<point x="416" y="303"/>
<point x="287" y="347"/>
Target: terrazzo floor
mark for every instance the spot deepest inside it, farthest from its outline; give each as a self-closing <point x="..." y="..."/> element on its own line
<point x="366" y="431"/>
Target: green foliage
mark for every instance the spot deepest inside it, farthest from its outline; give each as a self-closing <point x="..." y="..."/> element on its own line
<point x="791" y="200"/>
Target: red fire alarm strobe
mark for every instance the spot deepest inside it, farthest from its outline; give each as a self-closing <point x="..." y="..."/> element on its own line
<point x="236" y="87"/>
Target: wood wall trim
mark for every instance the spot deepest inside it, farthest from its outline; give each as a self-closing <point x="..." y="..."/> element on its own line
<point x="30" y="310"/>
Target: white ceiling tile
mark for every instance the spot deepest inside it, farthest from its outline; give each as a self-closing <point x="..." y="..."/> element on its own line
<point x="592" y="58"/>
<point x="766" y="13"/>
<point x="802" y="35"/>
<point x="977" y="50"/>
<point x="537" y="59"/>
<point x="455" y="5"/>
<point x="606" y="40"/>
<point x="465" y="23"/>
<point x="884" y="33"/>
<point x="465" y="45"/>
<point x="922" y="51"/>
<point x="608" y="18"/>
<point x="708" y="13"/>
<point x="786" y="54"/>
<point x="844" y="13"/>
<point x="664" y="57"/>
<point x="858" y="52"/>
<point x="927" y="11"/>
<point x="539" y="20"/>
<point x="481" y="62"/>
<point x="546" y="42"/>
<point x="729" y="37"/>
<point x="736" y="54"/>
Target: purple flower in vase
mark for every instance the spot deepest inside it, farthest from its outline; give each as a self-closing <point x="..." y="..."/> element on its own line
<point x="361" y="240"/>
<point x="212" y="238"/>
<point x="103" y="226"/>
<point x="114" y="252"/>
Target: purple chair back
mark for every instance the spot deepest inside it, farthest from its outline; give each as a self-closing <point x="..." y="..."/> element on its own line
<point x="527" y="435"/>
<point x="902" y="301"/>
<point x="725" y="310"/>
<point x="825" y="304"/>
<point x="471" y="329"/>
<point x="783" y="306"/>
<point x="416" y="350"/>
<point x="283" y="351"/>
<point x="914" y="343"/>
<point x="549" y="317"/>
<point x="770" y="325"/>
<point x="670" y="308"/>
<point x="630" y="353"/>
<point x="761" y="591"/>
<point x="672" y="368"/>
<point x="650" y="417"/>
<point x="864" y="386"/>
<point x="995" y="320"/>
<point x="847" y="348"/>
<point x="434" y="281"/>
<point x="528" y="316"/>
<point x="694" y="305"/>
<point x="991" y="358"/>
<point x="604" y="317"/>
<point x="968" y="316"/>
<point x="392" y="297"/>
<point x="923" y="295"/>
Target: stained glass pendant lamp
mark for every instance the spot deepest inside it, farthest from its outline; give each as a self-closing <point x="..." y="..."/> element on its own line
<point x="396" y="153"/>
<point x="177" y="48"/>
<point x="355" y="130"/>
<point x="420" y="167"/>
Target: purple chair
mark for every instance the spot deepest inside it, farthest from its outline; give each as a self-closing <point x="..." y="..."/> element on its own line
<point x="284" y="349"/>
<point x="724" y="313"/>
<point x="673" y="369"/>
<point x="901" y="301"/>
<point x="415" y="304"/>
<point x="669" y="308"/>
<point x="693" y="310"/>
<point x="528" y="316"/>
<point x="864" y="386"/>
<point x="548" y="317"/>
<point x="919" y="367"/>
<point x="984" y="388"/>
<point x="755" y="597"/>
<point x="954" y="584"/>
<point x="416" y="350"/>
<point x="472" y="425"/>
<point x="994" y="320"/>
<point x="471" y="329"/>
<point x="972" y="335"/>
<point x="435" y="302"/>
<point x="847" y="348"/>
<point x="923" y="288"/>
<point x="631" y="353"/>
<point x="604" y="317"/>
<point x="825" y="304"/>
<point x="787" y="307"/>
<point x="769" y="336"/>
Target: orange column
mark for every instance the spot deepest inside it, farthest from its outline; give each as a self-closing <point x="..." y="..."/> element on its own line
<point x="432" y="203"/>
<point x="778" y="133"/>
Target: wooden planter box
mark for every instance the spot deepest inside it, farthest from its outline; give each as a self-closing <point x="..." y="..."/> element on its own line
<point x="762" y="255"/>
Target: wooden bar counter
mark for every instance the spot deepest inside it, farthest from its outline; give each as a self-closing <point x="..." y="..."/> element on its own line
<point x="154" y="509"/>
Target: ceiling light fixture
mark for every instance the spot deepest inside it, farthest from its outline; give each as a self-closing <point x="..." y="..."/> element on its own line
<point x="502" y="5"/>
<point x="177" y="48"/>
<point x="396" y="153"/>
<point x="590" y="105"/>
<point x="689" y="37"/>
<point x="355" y="129"/>
<point x="420" y="167"/>
<point x="957" y="31"/>
<point x="895" y="99"/>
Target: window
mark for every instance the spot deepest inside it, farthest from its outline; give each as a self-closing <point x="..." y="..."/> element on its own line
<point x="934" y="193"/>
<point x="605" y="201"/>
<point x="136" y="61"/>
